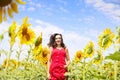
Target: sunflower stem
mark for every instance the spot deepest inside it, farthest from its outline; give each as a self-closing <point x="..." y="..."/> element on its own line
<point x="29" y="51"/>
<point x="84" y="69"/>
<point x="100" y="67"/>
<point x="115" y="64"/>
<point x="114" y="44"/>
<point x="115" y="70"/>
<point x="8" y="58"/>
<point x="18" y="55"/>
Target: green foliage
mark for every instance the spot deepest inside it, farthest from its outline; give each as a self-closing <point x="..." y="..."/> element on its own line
<point x="114" y="56"/>
<point x="27" y="71"/>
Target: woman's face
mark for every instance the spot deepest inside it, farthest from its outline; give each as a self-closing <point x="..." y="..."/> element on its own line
<point x="58" y="39"/>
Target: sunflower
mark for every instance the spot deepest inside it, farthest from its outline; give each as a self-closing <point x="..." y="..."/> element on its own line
<point x="89" y="50"/>
<point x="78" y="56"/>
<point x="111" y="74"/>
<point x="107" y="66"/>
<point x="12" y="63"/>
<point x="37" y="51"/>
<point x="25" y="33"/>
<point x="105" y="39"/>
<point x="12" y="33"/>
<point x="44" y="56"/>
<point x="38" y="46"/>
<point x="9" y="6"/>
<point x="99" y="58"/>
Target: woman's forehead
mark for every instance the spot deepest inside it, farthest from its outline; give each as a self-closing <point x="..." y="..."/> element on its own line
<point x="57" y="36"/>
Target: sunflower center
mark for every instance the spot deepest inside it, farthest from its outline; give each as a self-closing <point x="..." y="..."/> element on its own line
<point x="98" y="57"/>
<point x="4" y="3"/>
<point x="24" y="33"/>
<point x="79" y="55"/>
<point x="27" y="37"/>
<point x="89" y="50"/>
<point x="44" y="54"/>
<point x="105" y="40"/>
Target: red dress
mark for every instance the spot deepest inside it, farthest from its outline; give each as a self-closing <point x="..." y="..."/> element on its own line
<point x="57" y="68"/>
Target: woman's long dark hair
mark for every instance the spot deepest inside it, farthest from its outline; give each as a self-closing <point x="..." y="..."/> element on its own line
<point x="52" y="42"/>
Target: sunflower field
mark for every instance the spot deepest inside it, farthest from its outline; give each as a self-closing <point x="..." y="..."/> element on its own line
<point x="34" y="66"/>
<point x="88" y="63"/>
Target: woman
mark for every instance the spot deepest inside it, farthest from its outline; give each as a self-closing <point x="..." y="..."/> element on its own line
<point x="58" y="59"/>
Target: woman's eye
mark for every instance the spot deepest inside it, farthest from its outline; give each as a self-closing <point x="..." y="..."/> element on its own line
<point x="58" y="38"/>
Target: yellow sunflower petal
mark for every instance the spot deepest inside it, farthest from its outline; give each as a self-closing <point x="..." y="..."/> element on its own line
<point x="0" y="15"/>
<point x="107" y="31"/>
<point x="20" y="2"/>
<point x="25" y="20"/>
<point x="10" y="12"/>
<point x="14" y="7"/>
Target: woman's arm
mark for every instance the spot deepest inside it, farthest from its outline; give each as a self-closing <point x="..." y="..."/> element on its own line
<point x="67" y="58"/>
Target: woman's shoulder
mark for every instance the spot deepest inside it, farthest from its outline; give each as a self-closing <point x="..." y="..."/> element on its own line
<point x="50" y="48"/>
<point x="66" y="49"/>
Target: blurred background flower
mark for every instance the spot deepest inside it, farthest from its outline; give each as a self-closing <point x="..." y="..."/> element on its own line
<point x="89" y="50"/>
<point x="37" y="47"/>
<point x="11" y="65"/>
<point x="106" y="39"/>
<point x="25" y="33"/>
<point x="12" y="33"/>
<point x="8" y="6"/>
<point x="78" y="56"/>
<point x="98" y="60"/>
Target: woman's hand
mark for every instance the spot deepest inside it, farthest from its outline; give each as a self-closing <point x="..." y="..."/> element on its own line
<point x="48" y="76"/>
<point x="65" y="66"/>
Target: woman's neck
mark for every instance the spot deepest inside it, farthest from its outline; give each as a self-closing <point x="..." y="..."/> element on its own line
<point x="58" y="46"/>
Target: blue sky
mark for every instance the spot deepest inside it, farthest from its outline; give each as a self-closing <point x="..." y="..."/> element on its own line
<point x="80" y="21"/>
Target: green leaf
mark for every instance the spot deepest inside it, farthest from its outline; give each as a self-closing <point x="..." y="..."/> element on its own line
<point x="114" y="56"/>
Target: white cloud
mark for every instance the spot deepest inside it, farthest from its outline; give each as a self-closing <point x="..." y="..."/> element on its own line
<point x="89" y="19"/>
<point x="4" y="26"/>
<point x="22" y="8"/>
<point x="111" y="9"/>
<point x="74" y="42"/>
<point x="63" y="10"/>
<point x="33" y="6"/>
<point x="31" y="9"/>
<point x="114" y="1"/>
<point x="47" y="29"/>
<point x="62" y="1"/>
<point x="31" y="3"/>
<point x="39" y="5"/>
<point x="92" y="32"/>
